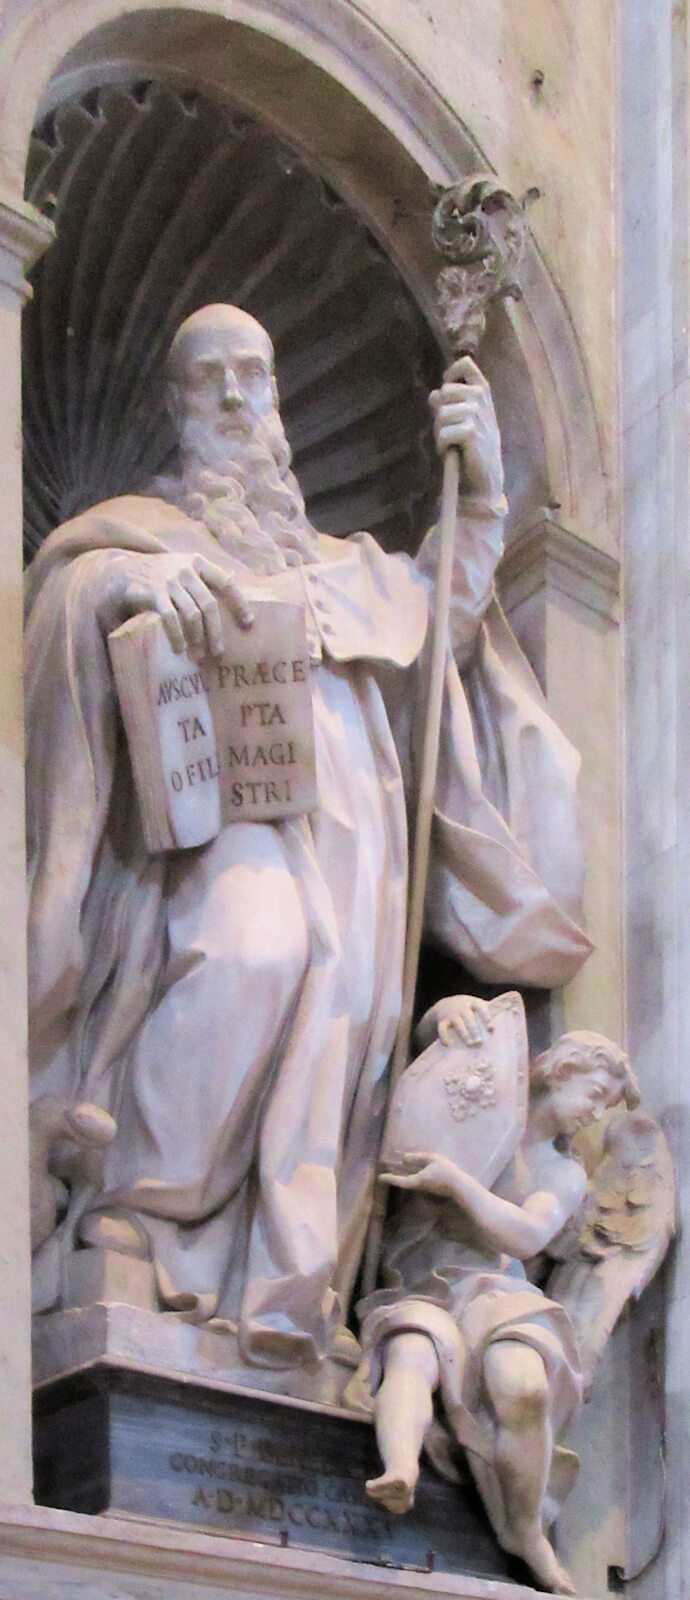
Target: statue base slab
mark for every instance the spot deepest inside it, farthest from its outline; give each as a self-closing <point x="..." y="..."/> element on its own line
<point x="164" y="1344"/>
<point x="46" y="1553"/>
<point x="123" y="1442"/>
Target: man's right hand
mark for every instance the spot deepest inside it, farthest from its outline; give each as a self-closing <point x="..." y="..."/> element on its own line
<point x="184" y="590"/>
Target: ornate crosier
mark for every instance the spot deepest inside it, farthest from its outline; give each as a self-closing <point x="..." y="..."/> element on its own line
<point x="482" y="231"/>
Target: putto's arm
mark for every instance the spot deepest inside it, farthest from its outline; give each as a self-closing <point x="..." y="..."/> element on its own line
<point x="519" y="1230"/>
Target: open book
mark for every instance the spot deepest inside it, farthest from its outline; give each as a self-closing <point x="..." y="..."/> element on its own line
<point x="220" y="740"/>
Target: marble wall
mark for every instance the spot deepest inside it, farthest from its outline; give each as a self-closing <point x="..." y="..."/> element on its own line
<point x="534" y="84"/>
<point x="656" y="505"/>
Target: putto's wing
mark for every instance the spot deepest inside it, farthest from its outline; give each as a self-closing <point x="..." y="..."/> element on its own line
<point x="621" y="1237"/>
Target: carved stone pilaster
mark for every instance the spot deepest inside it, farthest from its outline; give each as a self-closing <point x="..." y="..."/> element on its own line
<point x="24" y="235"/>
<point x="546" y="570"/>
<point x="545" y="556"/>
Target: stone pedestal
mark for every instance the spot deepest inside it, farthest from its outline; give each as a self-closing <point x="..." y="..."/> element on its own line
<point x="127" y="1443"/>
<point x="144" y="1416"/>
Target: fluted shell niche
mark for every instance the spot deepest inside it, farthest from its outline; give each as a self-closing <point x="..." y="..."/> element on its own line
<point x="164" y="202"/>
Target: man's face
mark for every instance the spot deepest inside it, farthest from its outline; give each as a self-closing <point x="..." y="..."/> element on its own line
<point x="226" y="393"/>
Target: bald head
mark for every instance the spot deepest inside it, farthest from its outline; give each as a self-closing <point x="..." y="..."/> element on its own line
<point x="211" y="326"/>
<point x="222" y="391"/>
<point x="233" y="466"/>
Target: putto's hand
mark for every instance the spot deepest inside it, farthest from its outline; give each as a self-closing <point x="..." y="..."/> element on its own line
<point x="464" y="419"/>
<point x="434" y="1174"/>
<point x="469" y="1017"/>
<point x="184" y="591"/>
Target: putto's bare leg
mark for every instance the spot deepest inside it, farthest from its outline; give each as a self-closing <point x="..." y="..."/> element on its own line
<point x="403" y="1413"/>
<point x="518" y="1390"/>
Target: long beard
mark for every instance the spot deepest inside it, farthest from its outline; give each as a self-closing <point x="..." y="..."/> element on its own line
<point x="254" y="507"/>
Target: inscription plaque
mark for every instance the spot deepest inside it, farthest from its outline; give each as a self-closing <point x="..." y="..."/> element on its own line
<point x="245" y="1466"/>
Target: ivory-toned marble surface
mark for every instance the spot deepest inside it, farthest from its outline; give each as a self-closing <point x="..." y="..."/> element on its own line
<point x="151" y="1341"/>
<point x="19" y="241"/>
<point x="491" y="67"/>
<point x="56" y="1555"/>
<point x="655" y="52"/>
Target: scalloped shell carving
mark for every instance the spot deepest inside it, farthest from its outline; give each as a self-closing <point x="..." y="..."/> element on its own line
<point x="164" y="202"/>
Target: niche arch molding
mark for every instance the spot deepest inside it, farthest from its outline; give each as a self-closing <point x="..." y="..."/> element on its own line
<point x="337" y="86"/>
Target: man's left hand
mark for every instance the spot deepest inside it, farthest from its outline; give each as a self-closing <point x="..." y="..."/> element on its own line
<point x="464" y="419"/>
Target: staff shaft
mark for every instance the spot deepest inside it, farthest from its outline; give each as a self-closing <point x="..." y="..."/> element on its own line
<point x="422" y="836"/>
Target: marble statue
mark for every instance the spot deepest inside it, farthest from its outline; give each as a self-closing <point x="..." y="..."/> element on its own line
<point x="233" y="1007"/>
<point x="51" y="1122"/>
<point x="458" y="1312"/>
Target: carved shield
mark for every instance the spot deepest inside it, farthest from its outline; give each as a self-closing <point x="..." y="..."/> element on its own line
<point x="468" y="1102"/>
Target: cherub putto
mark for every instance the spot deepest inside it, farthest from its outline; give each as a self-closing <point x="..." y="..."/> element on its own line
<point x="458" y="1313"/>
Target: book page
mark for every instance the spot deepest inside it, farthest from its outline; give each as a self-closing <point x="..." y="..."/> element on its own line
<point x="234" y="736"/>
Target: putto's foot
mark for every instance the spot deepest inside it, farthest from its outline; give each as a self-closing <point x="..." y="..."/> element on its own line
<point x="111" y="1230"/>
<point x="542" y="1559"/>
<point x="392" y="1490"/>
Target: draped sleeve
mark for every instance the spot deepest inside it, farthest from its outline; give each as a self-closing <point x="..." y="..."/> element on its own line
<point x="507" y="868"/>
<point x="72" y="741"/>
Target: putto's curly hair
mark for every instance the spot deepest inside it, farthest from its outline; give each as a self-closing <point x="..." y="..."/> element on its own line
<point x="582" y="1051"/>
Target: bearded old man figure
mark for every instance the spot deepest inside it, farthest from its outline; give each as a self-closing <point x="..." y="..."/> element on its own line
<point x="234" y="1006"/>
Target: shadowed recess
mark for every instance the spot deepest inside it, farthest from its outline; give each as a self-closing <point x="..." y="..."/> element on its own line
<point x="164" y="202"/>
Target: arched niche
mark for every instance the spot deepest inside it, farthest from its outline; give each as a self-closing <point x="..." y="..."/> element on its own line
<point x="338" y="90"/>
<point x="164" y="201"/>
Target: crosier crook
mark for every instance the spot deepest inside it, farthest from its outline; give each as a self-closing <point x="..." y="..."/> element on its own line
<point x="481" y="230"/>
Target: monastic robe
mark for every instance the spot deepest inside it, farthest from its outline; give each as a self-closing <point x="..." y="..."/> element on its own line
<point x="234" y="1006"/>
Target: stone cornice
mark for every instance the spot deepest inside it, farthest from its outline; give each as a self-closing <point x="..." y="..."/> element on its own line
<point x="24" y="235"/>
<point x="545" y="555"/>
<point x="44" y="1553"/>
